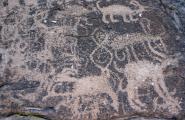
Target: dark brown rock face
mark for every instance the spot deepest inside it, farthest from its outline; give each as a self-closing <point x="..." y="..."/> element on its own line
<point x="92" y="59"/>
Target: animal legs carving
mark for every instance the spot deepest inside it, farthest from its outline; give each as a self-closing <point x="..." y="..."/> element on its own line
<point x="132" y="18"/>
<point x="125" y="19"/>
<point x="105" y="19"/>
<point x="112" y="19"/>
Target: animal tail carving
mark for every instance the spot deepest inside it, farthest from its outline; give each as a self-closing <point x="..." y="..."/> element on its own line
<point x="98" y="6"/>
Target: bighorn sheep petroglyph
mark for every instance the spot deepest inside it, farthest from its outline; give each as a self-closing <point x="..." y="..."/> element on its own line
<point x="121" y="10"/>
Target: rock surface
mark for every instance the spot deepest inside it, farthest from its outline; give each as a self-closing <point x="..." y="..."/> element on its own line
<point x="92" y="59"/>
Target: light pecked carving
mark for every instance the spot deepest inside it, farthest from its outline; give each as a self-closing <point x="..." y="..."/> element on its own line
<point x="121" y="10"/>
<point x="142" y="74"/>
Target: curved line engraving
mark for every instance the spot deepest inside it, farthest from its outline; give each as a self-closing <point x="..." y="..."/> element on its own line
<point x="118" y="58"/>
<point x="161" y="45"/>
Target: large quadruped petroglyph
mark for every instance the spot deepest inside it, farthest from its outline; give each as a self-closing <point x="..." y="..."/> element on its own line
<point x="92" y="60"/>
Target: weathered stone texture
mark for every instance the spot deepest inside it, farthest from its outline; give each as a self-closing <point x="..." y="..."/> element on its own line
<point x="92" y="59"/>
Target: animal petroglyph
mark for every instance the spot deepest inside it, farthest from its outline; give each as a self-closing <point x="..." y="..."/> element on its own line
<point x="128" y="53"/>
<point x="121" y="10"/>
<point x="79" y="87"/>
<point x="77" y="12"/>
<point x="119" y="41"/>
<point x="144" y="73"/>
<point x="124" y="48"/>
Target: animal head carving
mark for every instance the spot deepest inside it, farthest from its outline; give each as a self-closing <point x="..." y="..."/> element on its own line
<point x="140" y="9"/>
<point x="135" y="3"/>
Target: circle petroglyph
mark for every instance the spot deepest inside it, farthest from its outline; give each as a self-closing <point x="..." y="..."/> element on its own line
<point x="101" y="57"/>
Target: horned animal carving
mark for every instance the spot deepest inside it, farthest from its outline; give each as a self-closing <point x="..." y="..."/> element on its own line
<point x="121" y="10"/>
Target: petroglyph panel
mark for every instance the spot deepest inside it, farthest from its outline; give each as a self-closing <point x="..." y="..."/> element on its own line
<point x="89" y="60"/>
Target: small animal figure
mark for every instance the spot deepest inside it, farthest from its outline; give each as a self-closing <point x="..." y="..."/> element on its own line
<point x="121" y="10"/>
